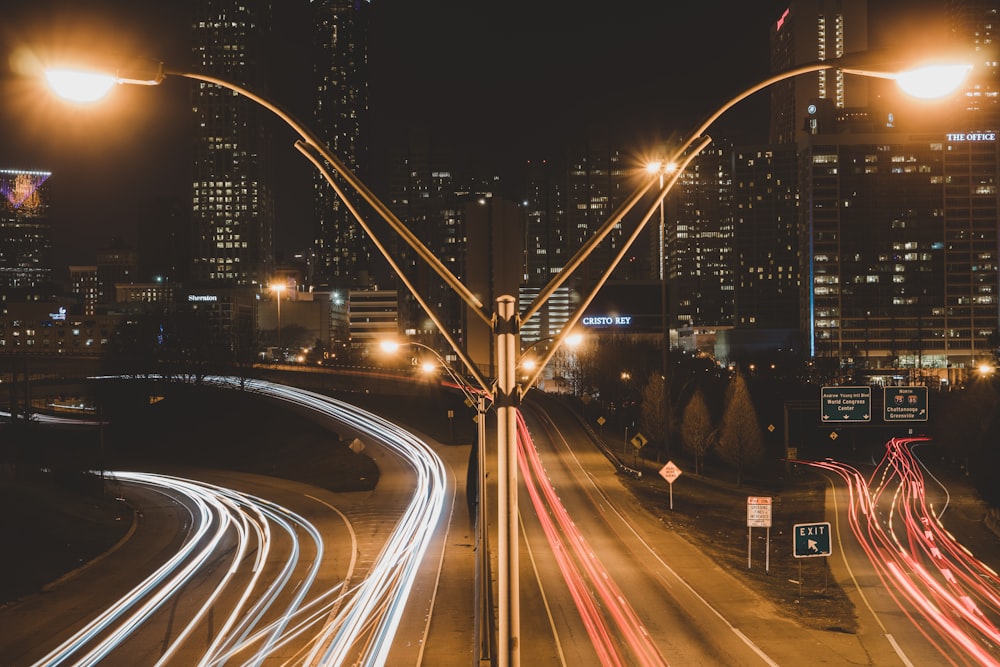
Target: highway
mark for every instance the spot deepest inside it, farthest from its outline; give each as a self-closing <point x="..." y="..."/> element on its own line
<point x="929" y="596"/>
<point x="214" y="575"/>
<point x="233" y="568"/>
<point x="604" y="582"/>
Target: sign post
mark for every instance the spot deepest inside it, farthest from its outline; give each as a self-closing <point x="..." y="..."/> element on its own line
<point x="810" y="540"/>
<point x="759" y="516"/>
<point x="670" y="472"/>
<point x="638" y="441"/>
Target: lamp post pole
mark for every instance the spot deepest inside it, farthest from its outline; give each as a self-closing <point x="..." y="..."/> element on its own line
<point x="507" y="399"/>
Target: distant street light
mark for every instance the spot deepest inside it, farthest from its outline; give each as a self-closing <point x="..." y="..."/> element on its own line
<point x="278" y="288"/>
<point x="505" y="321"/>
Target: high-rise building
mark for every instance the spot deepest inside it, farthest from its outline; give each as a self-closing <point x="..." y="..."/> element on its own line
<point x="84" y="286"/>
<point x="232" y="210"/>
<point x="340" y="83"/>
<point x="116" y="265"/>
<point x="810" y="31"/>
<point x="164" y="238"/>
<point x="545" y="251"/>
<point x="599" y="180"/>
<point x="975" y="23"/>
<point x="900" y="250"/>
<point x="25" y="232"/>
<point x="699" y="238"/>
<point x="765" y="237"/>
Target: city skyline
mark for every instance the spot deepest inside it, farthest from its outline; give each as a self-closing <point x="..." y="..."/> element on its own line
<point x="143" y="130"/>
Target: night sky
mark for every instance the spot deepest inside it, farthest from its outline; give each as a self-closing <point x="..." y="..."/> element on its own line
<point x="503" y="81"/>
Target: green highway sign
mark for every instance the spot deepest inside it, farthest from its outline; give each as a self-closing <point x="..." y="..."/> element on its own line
<point x="811" y="539"/>
<point x="846" y="404"/>
<point x="905" y="404"/>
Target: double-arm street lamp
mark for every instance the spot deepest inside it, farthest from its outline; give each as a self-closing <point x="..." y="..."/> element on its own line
<point x="505" y="320"/>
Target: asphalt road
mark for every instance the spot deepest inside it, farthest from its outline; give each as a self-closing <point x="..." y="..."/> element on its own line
<point x="693" y="611"/>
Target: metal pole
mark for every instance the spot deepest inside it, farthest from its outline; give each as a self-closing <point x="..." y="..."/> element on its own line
<point x="666" y="328"/>
<point x="506" y="400"/>
<point x="484" y="606"/>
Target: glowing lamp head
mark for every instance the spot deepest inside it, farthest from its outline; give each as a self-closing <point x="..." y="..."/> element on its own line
<point x="79" y="86"/>
<point x="932" y="81"/>
<point x="389" y="346"/>
<point x="428" y="367"/>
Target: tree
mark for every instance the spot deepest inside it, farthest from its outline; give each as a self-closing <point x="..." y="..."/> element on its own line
<point x="697" y="433"/>
<point x="656" y="420"/>
<point x="741" y="442"/>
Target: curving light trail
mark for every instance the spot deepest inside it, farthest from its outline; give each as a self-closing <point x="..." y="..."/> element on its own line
<point x="952" y="598"/>
<point x="219" y="517"/>
<point x="265" y="594"/>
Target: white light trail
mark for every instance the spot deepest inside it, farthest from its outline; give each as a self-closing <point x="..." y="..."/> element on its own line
<point x="267" y="605"/>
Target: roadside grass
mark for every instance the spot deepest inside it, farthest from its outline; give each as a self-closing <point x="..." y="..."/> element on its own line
<point x="51" y="530"/>
<point x="712" y="513"/>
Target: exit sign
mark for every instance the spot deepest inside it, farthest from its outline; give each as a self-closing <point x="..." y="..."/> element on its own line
<point x="811" y="539"/>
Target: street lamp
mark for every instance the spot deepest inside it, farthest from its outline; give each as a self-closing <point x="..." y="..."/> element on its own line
<point x="504" y="321"/>
<point x="278" y="288"/>
<point x="533" y="366"/>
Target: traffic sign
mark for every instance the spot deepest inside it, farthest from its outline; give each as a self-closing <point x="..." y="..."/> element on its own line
<point x="670" y="472"/>
<point x="905" y="404"/>
<point x="758" y="512"/>
<point x="846" y="404"/>
<point x="811" y="539"/>
<point x="639" y="441"/>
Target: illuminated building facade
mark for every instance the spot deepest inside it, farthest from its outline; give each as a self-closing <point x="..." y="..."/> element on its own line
<point x="808" y="31"/>
<point x="84" y="285"/>
<point x="52" y="329"/>
<point x="900" y="245"/>
<point x="699" y="238"/>
<point x="975" y="23"/>
<point x="546" y="251"/>
<point x="765" y="237"/>
<point x="340" y="70"/>
<point x="25" y="233"/>
<point x="598" y="180"/>
<point x="232" y="213"/>
<point x="372" y="315"/>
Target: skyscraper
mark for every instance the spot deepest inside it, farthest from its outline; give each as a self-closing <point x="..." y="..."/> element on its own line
<point x="340" y="112"/>
<point x="809" y="31"/>
<point x="975" y="24"/>
<point x="232" y="210"/>
<point x="765" y="237"/>
<point x="901" y="259"/>
<point x="25" y="233"/>
<point x="699" y="239"/>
